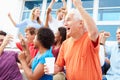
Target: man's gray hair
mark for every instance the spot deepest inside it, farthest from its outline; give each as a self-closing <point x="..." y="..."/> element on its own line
<point x="76" y="13"/>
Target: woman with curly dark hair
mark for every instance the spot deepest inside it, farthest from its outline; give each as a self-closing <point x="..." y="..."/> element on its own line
<point x="43" y="42"/>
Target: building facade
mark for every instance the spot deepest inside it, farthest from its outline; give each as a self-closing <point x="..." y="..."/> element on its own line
<point x="106" y="13"/>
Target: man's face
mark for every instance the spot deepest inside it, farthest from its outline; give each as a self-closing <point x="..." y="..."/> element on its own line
<point x="72" y="25"/>
<point x="36" y="42"/>
<point x="118" y="35"/>
<point x="61" y="14"/>
<point x="1" y="39"/>
<point x="29" y="37"/>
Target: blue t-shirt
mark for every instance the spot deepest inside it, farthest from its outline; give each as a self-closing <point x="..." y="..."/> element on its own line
<point x="40" y="59"/>
<point x="28" y="22"/>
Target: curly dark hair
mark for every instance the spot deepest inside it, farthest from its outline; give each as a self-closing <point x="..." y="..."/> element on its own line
<point x="3" y="33"/>
<point x="62" y="31"/>
<point x="46" y="37"/>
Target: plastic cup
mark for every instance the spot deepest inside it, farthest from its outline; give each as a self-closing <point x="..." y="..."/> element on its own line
<point x="50" y="64"/>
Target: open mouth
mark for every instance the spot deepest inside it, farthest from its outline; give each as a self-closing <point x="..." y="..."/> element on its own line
<point x="118" y="38"/>
<point x="68" y="28"/>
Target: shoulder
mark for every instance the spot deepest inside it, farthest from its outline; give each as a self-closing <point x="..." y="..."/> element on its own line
<point x="67" y="43"/>
<point x="68" y="40"/>
<point x="86" y="39"/>
<point x="26" y="20"/>
<point x="10" y="53"/>
<point x="48" y="53"/>
<point x="111" y="44"/>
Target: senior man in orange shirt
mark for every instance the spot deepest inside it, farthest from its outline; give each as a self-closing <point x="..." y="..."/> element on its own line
<point x="79" y="53"/>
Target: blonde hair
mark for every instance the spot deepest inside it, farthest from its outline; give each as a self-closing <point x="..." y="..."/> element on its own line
<point x="59" y="10"/>
<point x="32" y="15"/>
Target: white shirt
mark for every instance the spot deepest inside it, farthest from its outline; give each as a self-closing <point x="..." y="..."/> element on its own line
<point x="102" y="55"/>
<point x="55" y="24"/>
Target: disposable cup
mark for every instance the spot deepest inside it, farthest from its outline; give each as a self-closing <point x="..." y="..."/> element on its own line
<point x="50" y="64"/>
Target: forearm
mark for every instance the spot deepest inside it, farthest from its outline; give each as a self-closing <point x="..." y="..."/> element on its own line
<point x="6" y="40"/>
<point x="47" y="17"/>
<point x="28" y="59"/>
<point x="27" y="70"/>
<point x="64" y="4"/>
<point x="30" y="63"/>
<point x="48" y="13"/>
<point x="1" y="49"/>
<point x="46" y="21"/>
<point x="51" y="4"/>
<point x="88" y="23"/>
<point x="28" y="56"/>
<point x="13" y="22"/>
<point x="27" y="53"/>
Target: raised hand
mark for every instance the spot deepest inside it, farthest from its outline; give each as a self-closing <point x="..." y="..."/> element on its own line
<point x="22" y="41"/>
<point x="25" y="48"/>
<point x="23" y="44"/>
<point x="20" y="36"/>
<point x="48" y="10"/>
<point x="6" y="40"/>
<point x="77" y="3"/>
<point x="53" y="0"/>
<point x="22" y="56"/>
<point x="9" y="15"/>
<point x="103" y="36"/>
<point x="63" y="0"/>
<point x="106" y="34"/>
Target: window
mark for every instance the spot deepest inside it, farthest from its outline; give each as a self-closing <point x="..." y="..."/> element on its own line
<point x="109" y="10"/>
<point x="55" y="7"/>
<point x="109" y="28"/>
<point x="28" y="6"/>
<point x="88" y="5"/>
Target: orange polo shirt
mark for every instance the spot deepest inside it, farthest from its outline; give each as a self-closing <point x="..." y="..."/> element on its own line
<point x="80" y="58"/>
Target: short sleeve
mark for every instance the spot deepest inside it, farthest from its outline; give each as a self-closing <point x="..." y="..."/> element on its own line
<point x="19" y="45"/>
<point x="47" y="54"/>
<point x="60" y="60"/>
<point x="96" y="43"/>
<point x="15" y="54"/>
<point x="42" y="60"/>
